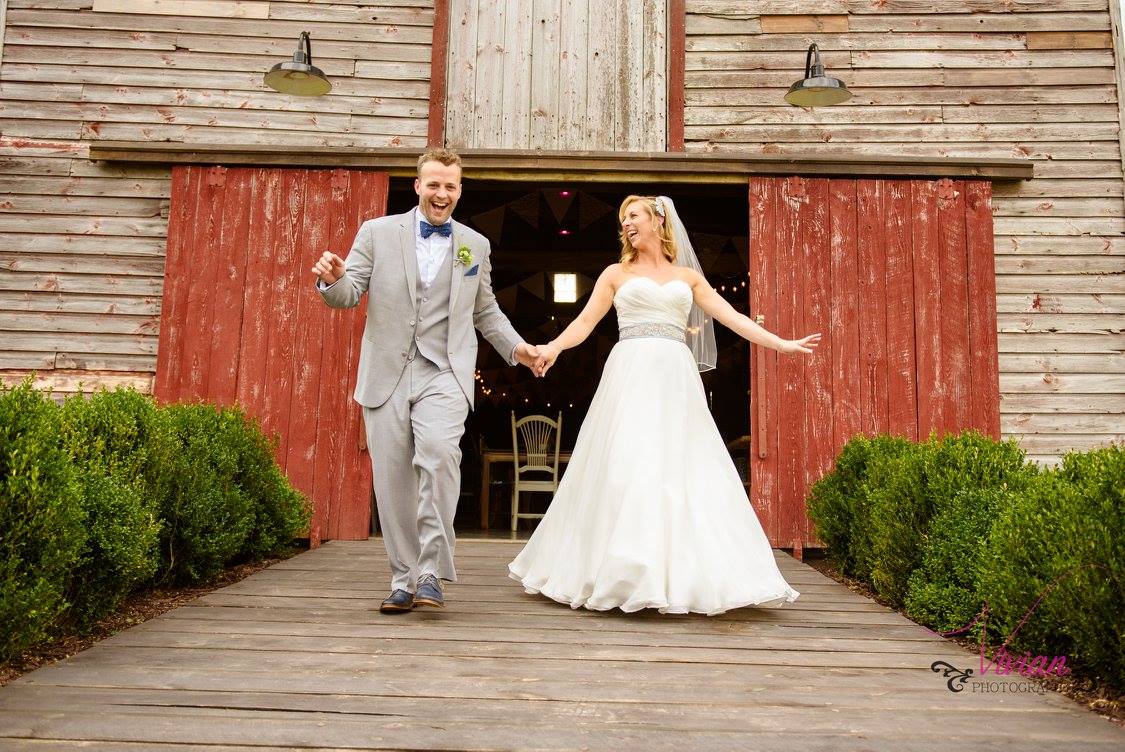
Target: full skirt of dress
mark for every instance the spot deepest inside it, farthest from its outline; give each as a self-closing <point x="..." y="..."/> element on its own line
<point x="650" y="512"/>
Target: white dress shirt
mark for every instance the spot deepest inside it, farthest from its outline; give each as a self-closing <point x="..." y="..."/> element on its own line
<point x="431" y="251"/>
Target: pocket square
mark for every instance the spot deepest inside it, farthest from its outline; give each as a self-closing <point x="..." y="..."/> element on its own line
<point x="473" y="272"/>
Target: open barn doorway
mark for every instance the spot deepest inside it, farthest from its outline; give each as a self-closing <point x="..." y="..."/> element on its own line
<point x="538" y="230"/>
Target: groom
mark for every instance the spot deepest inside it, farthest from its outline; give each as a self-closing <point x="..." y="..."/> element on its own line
<point x="429" y="284"/>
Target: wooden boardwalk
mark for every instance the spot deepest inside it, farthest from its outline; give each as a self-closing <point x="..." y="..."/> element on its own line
<point x="297" y="656"/>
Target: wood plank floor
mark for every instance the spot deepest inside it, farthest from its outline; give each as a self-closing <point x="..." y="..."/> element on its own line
<point x="297" y="656"/>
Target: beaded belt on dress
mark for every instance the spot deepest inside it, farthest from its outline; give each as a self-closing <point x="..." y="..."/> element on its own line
<point x="668" y="331"/>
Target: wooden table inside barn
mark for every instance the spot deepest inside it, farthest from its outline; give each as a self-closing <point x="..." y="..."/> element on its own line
<point x="487" y="459"/>
<point x="298" y="656"/>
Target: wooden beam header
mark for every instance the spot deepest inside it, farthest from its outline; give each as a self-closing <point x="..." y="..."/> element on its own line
<point x="616" y="167"/>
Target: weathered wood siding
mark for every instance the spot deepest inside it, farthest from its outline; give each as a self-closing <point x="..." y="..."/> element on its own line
<point x="558" y="74"/>
<point x="82" y="244"/>
<point x="899" y="273"/>
<point x="1030" y="78"/>
<point x="246" y="326"/>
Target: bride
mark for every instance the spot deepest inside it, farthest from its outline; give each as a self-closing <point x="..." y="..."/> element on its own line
<point x="651" y="512"/>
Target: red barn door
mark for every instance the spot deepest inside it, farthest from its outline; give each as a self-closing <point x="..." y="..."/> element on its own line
<point x="899" y="277"/>
<point x="241" y="321"/>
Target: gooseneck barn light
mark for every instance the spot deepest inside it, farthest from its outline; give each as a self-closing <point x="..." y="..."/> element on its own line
<point x="299" y="76"/>
<point x="816" y="89"/>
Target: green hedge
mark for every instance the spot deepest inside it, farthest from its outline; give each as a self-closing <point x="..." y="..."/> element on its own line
<point x="231" y="500"/>
<point x="967" y="480"/>
<point x="109" y="493"/>
<point x="42" y="529"/>
<point x="1066" y="534"/>
<point x="840" y="503"/>
<point x="120" y="445"/>
<point x="944" y="526"/>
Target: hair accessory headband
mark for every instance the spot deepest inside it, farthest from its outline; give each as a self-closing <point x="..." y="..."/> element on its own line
<point x="659" y="207"/>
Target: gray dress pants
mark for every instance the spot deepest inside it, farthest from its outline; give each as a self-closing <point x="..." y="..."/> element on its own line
<point x="414" y="441"/>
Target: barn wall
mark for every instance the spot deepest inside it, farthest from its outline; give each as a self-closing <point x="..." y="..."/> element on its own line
<point x="82" y="244"/>
<point x="558" y="74"/>
<point x="1031" y="78"/>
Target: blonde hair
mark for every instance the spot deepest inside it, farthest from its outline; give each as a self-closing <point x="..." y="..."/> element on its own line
<point x="663" y="229"/>
<point x="446" y="156"/>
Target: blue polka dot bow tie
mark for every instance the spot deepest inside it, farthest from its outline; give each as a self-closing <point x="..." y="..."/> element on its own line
<point x="444" y="230"/>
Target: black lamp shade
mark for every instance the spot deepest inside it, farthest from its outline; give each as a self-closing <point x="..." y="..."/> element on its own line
<point x="816" y="89"/>
<point x="299" y="76"/>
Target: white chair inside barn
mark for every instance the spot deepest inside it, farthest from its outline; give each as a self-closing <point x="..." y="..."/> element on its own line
<point x="535" y="452"/>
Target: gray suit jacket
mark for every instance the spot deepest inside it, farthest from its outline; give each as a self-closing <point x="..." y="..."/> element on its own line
<point x="383" y="263"/>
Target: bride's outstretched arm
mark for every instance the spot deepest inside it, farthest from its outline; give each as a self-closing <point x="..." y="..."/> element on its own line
<point x="601" y="299"/>
<point x="717" y="307"/>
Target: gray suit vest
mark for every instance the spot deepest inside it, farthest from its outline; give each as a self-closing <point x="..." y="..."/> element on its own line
<point x="431" y="332"/>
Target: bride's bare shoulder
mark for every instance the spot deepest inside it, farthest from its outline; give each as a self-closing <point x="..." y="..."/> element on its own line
<point x="614" y="274"/>
<point x="691" y="276"/>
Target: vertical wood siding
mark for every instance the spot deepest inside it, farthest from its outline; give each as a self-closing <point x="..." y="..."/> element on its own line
<point x="1031" y="79"/>
<point x="558" y="75"/>
<point x="896" y="275"/>
<point x="242" y="323"/>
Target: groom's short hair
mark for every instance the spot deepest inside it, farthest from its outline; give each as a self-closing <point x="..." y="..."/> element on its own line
<point x="446" y="156"/>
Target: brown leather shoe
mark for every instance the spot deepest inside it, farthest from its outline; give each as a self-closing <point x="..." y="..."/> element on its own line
<point x="397" y="602"/>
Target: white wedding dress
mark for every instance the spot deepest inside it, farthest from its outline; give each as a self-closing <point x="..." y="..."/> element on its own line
<point x="650" y="512"/>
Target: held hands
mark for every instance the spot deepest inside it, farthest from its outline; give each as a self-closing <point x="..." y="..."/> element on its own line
<point x="803" y="345"/>
<point x="527" y="355"/>
<point x="548" y="354"/>
<point x="329" y="267"/>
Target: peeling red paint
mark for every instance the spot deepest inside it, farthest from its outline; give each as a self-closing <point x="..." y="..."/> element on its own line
<point x="891" y="272"/>
<point x="27" y="143"/>
<point x="234" y="326"/>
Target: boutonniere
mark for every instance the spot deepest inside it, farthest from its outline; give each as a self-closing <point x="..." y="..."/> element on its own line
<point x="464" y="255"/>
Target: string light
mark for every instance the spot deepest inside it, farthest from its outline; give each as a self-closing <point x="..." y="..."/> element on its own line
<point x="736" y="284"/>
<point x="480" y="379"/>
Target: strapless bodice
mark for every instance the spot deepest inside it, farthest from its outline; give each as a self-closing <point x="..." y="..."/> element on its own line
<point x="641" y="300"/>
